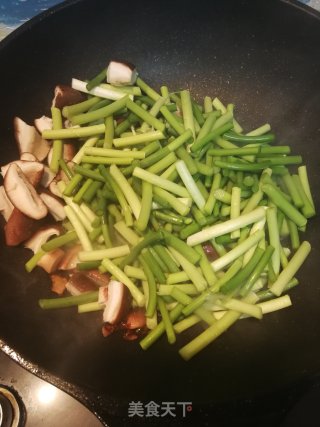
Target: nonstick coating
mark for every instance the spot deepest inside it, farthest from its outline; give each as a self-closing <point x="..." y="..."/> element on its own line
<point x="263" y="57"/>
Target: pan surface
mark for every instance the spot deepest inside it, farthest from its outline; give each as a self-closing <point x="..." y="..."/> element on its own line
<point x="263" y="57"/>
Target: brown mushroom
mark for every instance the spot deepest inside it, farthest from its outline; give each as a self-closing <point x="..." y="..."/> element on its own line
<point x="33" y="171"/>
<point x="22" y="194"/>
<point x="66" y="95"/>
<point x="117" y="303"/>
<point x="103" y="294"/>
<point x="19" y="228"/>
<point x="54" y="189"/>
<point x="29" y="140"/>
<point x="121" y="73"/>
<point x="50" y="261"/>
<point x="70" y="259"/>
<point x="101" y="279"/>
<point x="69" y="151"/>
<point x="54" y="205"/>
<point x="41" y="236"/>
<point x="29" y="157"/>
<point x="47" y="177"/>
<point x="210" y="251"/>
<point x="79" y="283"/>
<point x="6" y="207"/>
<point x="58" y="283"/>
<point x="107" y="329"/>
<point x="136" y="319"/>
<point x="43" y="123"/>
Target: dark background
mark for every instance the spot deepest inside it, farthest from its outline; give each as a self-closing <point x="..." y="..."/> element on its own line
<point x="264" y="57"/>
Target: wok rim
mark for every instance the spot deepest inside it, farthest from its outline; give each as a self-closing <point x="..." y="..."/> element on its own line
<point x="85" y="397"/>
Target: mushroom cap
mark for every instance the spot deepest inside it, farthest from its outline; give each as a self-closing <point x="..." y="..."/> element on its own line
<point x="70" y="259"/>
<point x="43" y="123"/>
<point x="58" y="283"/>
<point x="69" y="151"/>
<point x="19" y="228"/>
<point x="101" y="279"/>
<point x="117" y="303"/>
<point x="22" y="194"/>
<point x="135" y="319"/>
<point x="6" y="207"/>
<point x="41" y="236"/>
<point x="107" y="329"/>
<point x="54" y="205"/>
<point x="29" y="157"/>
<point x="33" y="171"/>
<point x="66" y="95"/>
<point x="47" y="177"/>
<point x="50" y="261"/>
<point x="121" y="73"/>
<point x="54" y="189"/>
<point x="29" y="140"/>
<point x="103" y="294"/>
<point x="79" y="283"/>
<point x="210" y="251"/>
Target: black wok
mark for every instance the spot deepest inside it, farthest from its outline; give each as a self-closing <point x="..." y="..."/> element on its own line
<point x="264" y="57"/>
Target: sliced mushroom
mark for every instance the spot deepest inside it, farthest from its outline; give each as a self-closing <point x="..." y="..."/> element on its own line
<point x="130" y="335"/>
<point x="117" y="303"/>
<point x="136" y="319"/>
<point x="58" y="283"/>
<point x="69" y="151"/>
<point x="33" y="171"/>
<point x="107" y="329"/>
<point x="66" y="95"/>
<point x="101" y="279"/>
<point x="22" y="194"/>
<point x="49" y="157"/>
<point x="54" y="205"/>
<point x="54" y="189"/>
<point x="121" y="73"/>
<point x="19" y="228"/>
<point x="6" y="207"/>
<point x="210" y="251"/>
<point x="29" y="157"/>
<point x="43" y="123"/>
<point x="79" y="283"/>
<point x="50" y="261"/>
<point x="42" y="236"/>
<point x="47" y="177"/>
<point x="70" y="259"/>
<point x="103" y="295"/>
<point x="29" y="140"/>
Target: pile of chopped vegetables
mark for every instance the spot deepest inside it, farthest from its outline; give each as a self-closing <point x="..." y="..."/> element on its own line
<point x="156" y="209"/>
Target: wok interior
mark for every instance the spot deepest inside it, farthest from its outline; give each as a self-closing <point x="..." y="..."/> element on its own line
<point x="258" y="55"/>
